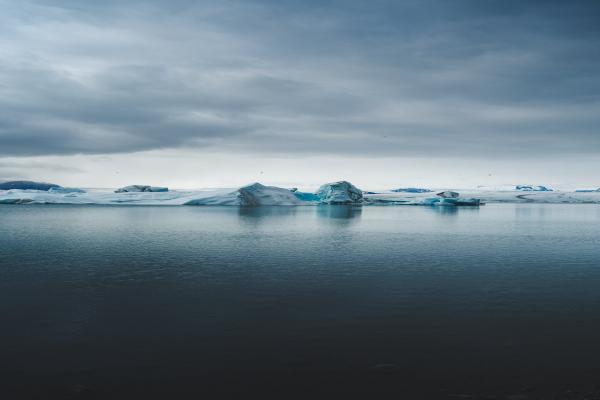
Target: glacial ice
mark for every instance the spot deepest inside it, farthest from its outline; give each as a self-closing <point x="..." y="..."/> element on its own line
<point x="342" y="192"/>
<point x="27" y="185"/>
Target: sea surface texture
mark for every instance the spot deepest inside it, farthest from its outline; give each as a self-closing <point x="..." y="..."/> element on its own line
<point x="121" y="302"/>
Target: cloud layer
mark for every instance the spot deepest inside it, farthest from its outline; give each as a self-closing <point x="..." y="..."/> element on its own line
<point x="377" y="78"/>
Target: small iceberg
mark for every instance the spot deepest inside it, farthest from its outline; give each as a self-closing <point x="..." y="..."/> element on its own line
<point x="411" y="190"/>
<point x="27" y="185"/>
<point x="533" y="188"/>
<point x="141" y="188"/>
<point x="341" y="192"/>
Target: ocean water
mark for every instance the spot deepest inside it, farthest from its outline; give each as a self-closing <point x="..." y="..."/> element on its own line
<point x="120" y="302"/>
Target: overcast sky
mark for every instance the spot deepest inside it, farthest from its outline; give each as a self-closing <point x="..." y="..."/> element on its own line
<point x="223" y="93"/>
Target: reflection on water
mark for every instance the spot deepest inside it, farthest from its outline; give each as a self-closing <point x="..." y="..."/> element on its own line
<point x="266" y="211"/>
<point x="339" y="211"/>
<point x="384" y="302"/>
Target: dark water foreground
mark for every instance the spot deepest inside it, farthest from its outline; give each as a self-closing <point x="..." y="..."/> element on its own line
<point x="501" y="302"/>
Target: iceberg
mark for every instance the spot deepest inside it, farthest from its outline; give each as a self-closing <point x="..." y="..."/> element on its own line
<point x="141" y="188"/>
<point x="255" y="194"/>
<point x="411" y="190"/>
<point x="27" y="185"/>
<point x="341" y="192"/>
<point x="533" y="188"/>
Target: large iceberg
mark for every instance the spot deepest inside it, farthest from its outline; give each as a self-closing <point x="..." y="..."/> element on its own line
<point x="27" y="185"/>
<point x="255" y="194"/>
<point x="141" y="188"/>
<point x="341" y="192"/>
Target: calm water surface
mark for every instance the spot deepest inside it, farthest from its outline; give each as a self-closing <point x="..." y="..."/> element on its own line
<point x="306" y="302"/>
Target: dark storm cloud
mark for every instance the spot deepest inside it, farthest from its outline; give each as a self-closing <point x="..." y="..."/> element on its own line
<point x="347" y="77"/>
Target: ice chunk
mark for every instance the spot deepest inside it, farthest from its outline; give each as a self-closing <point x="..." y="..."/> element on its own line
<point x="65" y="190"/>
<point x="141" y="188"/>
<point x="341" y="192"/>
<point x="27" y="185"/>
<point x="532" y="188"/>
<point x="255" y="194"/>
<point x="411" y="190"/>
<point x="449" y="194"/>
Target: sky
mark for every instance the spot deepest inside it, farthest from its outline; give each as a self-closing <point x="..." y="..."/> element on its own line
<point x="192" y="94"/>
